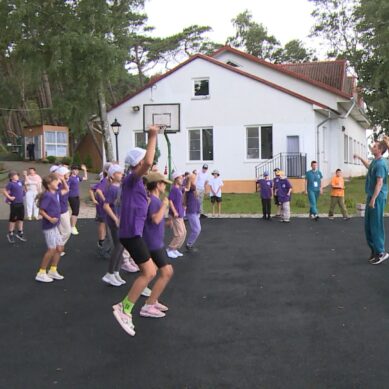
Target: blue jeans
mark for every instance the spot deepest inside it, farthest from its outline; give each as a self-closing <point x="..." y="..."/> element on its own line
<point x="374" y="224"/>
<point x="313" y="197"/>
<point x="195" y="227"/>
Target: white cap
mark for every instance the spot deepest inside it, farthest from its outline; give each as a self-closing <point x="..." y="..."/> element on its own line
<point x="62" y="170"/>
<point x="115" y="169"/>
<point x="106" y="166"/>
<point x="53" y="168"/>
<point x="134" y="156"/>
<point x="176" y="175"/>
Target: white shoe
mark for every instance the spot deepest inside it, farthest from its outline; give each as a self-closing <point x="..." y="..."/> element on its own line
<point x="178" y="253"/>
<point x="55" y="275"/>
<point x="43" y="277"/>
<point x="171" y="253"/>
<point x="63" y="253"/>
<point x="111" y="280"/>
<point x="146" y="292"/>
<point x="74" y="231"/>
<point x="120" y="279"/>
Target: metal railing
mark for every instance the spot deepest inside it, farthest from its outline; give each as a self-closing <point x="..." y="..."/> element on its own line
<point x="293" y="164"/>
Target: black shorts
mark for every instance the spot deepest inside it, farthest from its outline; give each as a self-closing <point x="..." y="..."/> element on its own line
<point x="216" y="199"/>
<point x="99" y="218"/>
<point x="276" y="201"/>
<point x="137" y="248"/>
<point x="160" y="257"/>
<point x="74" y="203"/>
<point x="17" y="212"/>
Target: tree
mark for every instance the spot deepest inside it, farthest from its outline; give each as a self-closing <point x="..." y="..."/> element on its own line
<point x="295" y="52"/>
<point x="253" y="37"/>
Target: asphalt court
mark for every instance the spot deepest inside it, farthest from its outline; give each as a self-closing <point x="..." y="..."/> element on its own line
<point x="261" y="305"/>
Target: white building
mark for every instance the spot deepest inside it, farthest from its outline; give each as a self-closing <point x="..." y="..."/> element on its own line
<point x="243" y="115"/>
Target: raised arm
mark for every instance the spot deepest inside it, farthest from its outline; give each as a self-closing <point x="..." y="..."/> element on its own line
<point x="364" y="161"/>
<point x="143" y="168"/>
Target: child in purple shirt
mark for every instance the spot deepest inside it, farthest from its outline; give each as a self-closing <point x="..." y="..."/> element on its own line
<point x="192" y="202"/>
<point x="284" y="194"/>
<point x="74" y="194"/>
<point x="133" y="214"/>
<point x="14" y="194"/>
<point x="265" y="188"/>
<point x="50" y="210"/>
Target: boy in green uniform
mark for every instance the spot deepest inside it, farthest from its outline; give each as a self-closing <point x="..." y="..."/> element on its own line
<point x="376" y="194"/>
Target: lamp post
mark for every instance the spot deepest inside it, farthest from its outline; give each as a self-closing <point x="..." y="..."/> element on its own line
<point x="116" y="129"/>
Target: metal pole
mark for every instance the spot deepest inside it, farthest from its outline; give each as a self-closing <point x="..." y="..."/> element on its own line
<point x="117" y="148"/>
<point x="169" y="155"/>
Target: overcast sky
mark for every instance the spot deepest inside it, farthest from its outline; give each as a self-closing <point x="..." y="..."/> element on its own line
<point x="285" y="19"/>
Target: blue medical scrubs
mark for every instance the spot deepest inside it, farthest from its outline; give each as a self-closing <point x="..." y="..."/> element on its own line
<point x="374" y="217"/>
<point x="313" y="178"/>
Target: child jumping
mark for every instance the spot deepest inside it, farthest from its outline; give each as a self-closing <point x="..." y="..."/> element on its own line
<point x="14" y="194"/>
<point x="50" y="210"/>
<point x="176" y="213"/>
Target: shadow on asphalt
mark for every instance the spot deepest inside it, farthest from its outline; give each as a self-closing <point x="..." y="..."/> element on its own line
<point x="261" y="305"/>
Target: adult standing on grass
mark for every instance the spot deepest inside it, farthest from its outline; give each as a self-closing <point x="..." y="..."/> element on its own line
<point x="201" y="186"/>
<point x="376" y="194"/>
<point x="313" y="188"/>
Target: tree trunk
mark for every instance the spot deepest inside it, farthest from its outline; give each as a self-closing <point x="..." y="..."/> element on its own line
<point x="104" y="125"/>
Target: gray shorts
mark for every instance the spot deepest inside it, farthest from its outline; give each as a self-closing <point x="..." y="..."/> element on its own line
<point x="53" y="238"/>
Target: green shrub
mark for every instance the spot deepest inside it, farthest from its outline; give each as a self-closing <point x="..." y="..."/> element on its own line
<point x="76" y="159"/>
<point x="88" y="162"/>
<point x="51" y="158"/>
<point x="300" y="203"/>
<point x="350" y="203"/>
<point x="66" y="160"/>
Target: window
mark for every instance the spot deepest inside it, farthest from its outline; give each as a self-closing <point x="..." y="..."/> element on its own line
<point x="325" y="143"/>
<point x="345" y="149"/>
<point x="355" y="151"/>
<point x="201" y="87"/>
<point x="201" y="144"/>
<point x="350" y="150"/>
<point x="56" y="143"/>
<point x="232" y="64"/>
<point x="140" y="139"/>
<point x="259" y="144"/>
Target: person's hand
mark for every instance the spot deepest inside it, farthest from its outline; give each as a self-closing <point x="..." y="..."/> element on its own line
<point x="372" y="203"/>
<point x="175" y="214"/>
<point x="117" y="222"/>
<point x="12" y="198"/>
<point x="83" y="167"/>
<point x="153" y="130"/>
<point x="95" y="202"/>
<point x="53" y="220"/>
<point x="356" y="156"/>
<point x="25" y="173"/>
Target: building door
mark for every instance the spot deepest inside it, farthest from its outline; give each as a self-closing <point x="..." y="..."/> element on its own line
<point x="293" y="161"/>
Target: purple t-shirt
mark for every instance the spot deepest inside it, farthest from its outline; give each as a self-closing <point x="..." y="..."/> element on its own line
<point x="192" y="201"/>
<point x="133" y="210"/>
<point x="276" y="183"/>
<point x="74" y="186"/>
<point x="153" y="234"/>
<point x="50" y="204"/>
<point x="265" y="188"/>
<point x="283" y="189"/>
<point x="63" y="199"/>
<point x="15" y="189"/>
<point x="175" y="196"/>
<point x="111" y="193"/>
<point x="102" y="186"/>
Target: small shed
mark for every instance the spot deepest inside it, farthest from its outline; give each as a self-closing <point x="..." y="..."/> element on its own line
<point x="49" y="140"/>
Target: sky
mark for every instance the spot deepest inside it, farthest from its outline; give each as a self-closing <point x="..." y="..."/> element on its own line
<point x="285" y="19"/>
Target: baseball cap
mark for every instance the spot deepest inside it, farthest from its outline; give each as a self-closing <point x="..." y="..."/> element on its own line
<point x="134" y="156"/>
<point x="216" y="172"/>
<point x="53" y="168"/>
<point x="157" y="177"/>
<point x="62" y="170"/>
<point x="205" y="166"/>
<point x="115" y="169"/>
<point x="265" y="173"/>
<point x="106" y="166"/>
<point x="176" y="175"/>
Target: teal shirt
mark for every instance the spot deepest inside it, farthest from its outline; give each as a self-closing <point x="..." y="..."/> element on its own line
<point x="313" y="178"/>
<point x="377" y="168"/>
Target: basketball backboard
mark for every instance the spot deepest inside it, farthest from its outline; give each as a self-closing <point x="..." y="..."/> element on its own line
<point x="167" y="116"/>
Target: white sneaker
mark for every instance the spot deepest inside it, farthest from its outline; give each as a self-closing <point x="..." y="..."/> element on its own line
<point x="74" y="231"/>
<point x="55" y="275"/>
<point x="111" y="280"/>
<point x="120" y="279"/>
<point x="171" y="253"/>
<point x="63" y="253"/>
<point x="178" y="253"/>
<point x="43" y="277"/>
<point x="146" y="292"/>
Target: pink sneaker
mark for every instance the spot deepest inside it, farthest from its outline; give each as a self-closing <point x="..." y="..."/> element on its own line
<point x="129" y="267"/>
<point x="125" y="321"/>
<point x="151" y="311"/>
<point x="161" y="307"/>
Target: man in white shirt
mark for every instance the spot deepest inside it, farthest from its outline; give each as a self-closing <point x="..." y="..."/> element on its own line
<point x="201" y="185"/>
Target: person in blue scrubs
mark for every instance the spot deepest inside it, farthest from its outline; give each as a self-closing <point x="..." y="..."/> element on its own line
<point x="376" y="189"/>
<point x="313" y="188"/>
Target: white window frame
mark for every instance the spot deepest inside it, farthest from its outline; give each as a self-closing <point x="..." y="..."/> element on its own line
<point x="259" y="127"/>
<point x="203" y="97"/>
<point x="325" y="144"/>
<point x="56" y="143"/>
<point x="345" y="148"/>
<point x="201" y="129"/>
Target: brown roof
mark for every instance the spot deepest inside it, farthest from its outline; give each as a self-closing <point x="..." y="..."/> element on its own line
<point x="225" y="66"/>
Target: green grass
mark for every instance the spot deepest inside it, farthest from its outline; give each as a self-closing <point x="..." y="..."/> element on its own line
<point x="250" y="203"/>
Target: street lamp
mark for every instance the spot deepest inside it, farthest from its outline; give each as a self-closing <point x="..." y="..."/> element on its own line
<point x="116" y="129"/>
